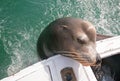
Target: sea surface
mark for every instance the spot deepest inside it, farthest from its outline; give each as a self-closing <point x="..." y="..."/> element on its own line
<point x="21" y="22"/>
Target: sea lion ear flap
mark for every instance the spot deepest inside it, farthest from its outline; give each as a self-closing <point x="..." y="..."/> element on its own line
<point x="47" y="52"/>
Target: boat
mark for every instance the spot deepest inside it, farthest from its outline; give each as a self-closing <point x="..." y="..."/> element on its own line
<point x="60" y="68"/>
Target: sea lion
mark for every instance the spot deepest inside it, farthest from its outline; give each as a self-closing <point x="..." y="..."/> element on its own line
<point x="70" y="37"/>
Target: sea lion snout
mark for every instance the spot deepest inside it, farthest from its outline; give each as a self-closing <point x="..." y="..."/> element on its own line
<point x="98" y="60"/>
<point x="88" y="55"/>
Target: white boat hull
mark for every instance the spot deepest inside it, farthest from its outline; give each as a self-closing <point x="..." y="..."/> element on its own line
<point x="51" y="69"/>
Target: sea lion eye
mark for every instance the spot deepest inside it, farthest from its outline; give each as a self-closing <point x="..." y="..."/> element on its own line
<point x="81" y="41"/>
<point x="65" y="27"/>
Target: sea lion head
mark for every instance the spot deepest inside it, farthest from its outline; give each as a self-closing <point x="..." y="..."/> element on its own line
<point x="71" y="37"/>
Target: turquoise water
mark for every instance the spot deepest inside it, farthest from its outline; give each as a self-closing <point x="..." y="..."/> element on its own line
<point x="21" y="22"/>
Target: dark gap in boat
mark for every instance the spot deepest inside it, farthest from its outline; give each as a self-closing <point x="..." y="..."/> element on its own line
<point x="109" y="69"/>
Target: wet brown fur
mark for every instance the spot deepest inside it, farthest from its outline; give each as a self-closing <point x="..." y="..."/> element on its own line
<point x="71" y="37"/>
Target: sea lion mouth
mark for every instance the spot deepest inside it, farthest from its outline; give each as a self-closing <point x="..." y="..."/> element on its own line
<point x="83" y="59"/>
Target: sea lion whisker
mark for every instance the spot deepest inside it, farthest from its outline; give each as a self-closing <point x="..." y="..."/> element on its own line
<point x="73" y="55"/>
<point x="66" y="52"/>
<point x="68" y="55"/>
<point x="79" y="59"/>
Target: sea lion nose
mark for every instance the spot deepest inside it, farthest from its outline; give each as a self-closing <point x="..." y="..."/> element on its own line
<point x="98" y="60"/>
